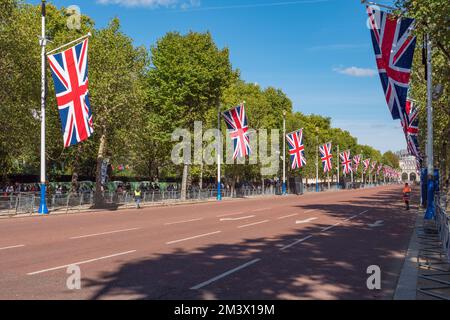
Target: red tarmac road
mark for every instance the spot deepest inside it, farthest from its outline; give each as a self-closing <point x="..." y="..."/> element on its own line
<point x="315" y="246"/>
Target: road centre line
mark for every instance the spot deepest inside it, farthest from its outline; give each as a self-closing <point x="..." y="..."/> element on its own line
<point x="223" y="275"/>
<point x="238" y="218"/>
<point x="193" y="237"/>
<point x="81" y="262"/>
<point x="12" y="247"/>
<point x="296" y="242"/>
<point x="310" y="210"/>
<point x="306" y="220"/>
<point x="252" y="224"/>
<point x="103" y="233"/>
<point x="288" y="216"/>
<point x="184" y="221"/>
<point x="261" y="209"/>
<point x="230" y="214"/>
<point x="331" y="227"/>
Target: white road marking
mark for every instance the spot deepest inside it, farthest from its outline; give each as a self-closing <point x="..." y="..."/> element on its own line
<point x="306" y="220"/>
<point x="362" y="212"/>
<point x="230" y="214"/>
<point x="81" y="262"/>
<point x="288" y="216"/>
<point x="378" y="223"/>
<point x="331" y="227"/>
<point x="184" y="221"/>
<point x="194" y="237"/>
<point x="12" y="247"/>
<point x="223" y="275"/>
<point x="252" y="224"/>
<point x="261" y="209"/>
<point x="103" y="233"/>
<point x="238" y="218"/>
<point x="296" y="242"/>
<point x="310" y="210"/>
<point x="352" y="217"/>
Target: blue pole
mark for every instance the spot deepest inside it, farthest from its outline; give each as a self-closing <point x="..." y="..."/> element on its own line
<point x="43" y="203"/>
<point x="283" y="188"/>
<point x="219" y="155"/>
<point x="219" y="192"/>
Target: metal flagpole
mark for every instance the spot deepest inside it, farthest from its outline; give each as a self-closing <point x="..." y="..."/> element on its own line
<point x="219" y="142"/>
<point x="317" y="164"/>
<point x="284" y="153"/>
<point x="43" y="42"/>
<point x="430" y="156"/>
<point x="338" y="165"/>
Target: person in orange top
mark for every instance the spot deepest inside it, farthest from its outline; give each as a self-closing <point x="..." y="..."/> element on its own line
<point x="406" y="195"/>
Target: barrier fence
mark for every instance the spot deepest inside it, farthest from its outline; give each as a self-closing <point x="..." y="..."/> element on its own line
<point x="28" y="203"/>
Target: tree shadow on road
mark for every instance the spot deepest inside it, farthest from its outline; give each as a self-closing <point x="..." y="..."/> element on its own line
<point x="329" y="265"/>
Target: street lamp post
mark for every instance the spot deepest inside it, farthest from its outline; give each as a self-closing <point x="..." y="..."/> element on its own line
<point x="284" y="153"/>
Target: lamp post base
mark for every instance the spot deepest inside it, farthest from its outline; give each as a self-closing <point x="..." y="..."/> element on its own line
<point x="43" y="202"/>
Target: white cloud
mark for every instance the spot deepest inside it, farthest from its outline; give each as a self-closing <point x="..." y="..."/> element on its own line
<point x="356" y="72"/>
<point x="183" y="4"/>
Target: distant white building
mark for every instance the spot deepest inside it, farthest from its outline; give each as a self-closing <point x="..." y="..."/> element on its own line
<point x="408" y="166"/>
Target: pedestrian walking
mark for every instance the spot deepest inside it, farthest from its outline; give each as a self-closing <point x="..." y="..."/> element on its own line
<point x="406" y="195"/>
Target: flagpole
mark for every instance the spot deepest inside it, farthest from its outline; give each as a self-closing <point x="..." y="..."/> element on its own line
<point x="338" y="165"/>
<point x="43" y="42"/>
<point x="429" y="214"/>
<point x="284" y="153"/>
<point x="69" y="43"/>
<point x="317" y="160"/>
<point x="219" y="143"/>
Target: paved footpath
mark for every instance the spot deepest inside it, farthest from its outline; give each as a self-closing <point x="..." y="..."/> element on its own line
<point x="316" y="246"/>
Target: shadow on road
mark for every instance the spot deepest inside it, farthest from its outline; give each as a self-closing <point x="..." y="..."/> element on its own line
<point x="330" y="265"/>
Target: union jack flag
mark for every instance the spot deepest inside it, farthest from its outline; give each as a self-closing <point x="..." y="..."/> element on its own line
<point x="70" y="77"/>
<point x="296" y="149"/>
<point x="326" y="156"/>
<point x="380" y="166"/>
<point x="374" y="163"/>
<point x="346" y="161"/>
<point x="357" y="161"/>
<point x="410" y="124"/>
<point x="237" y="124"/>
<point x="394" y="46"/>
<point x="366" y="164"/>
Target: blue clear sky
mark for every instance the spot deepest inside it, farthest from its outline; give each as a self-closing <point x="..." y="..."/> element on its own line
<point x="317" y="51"/>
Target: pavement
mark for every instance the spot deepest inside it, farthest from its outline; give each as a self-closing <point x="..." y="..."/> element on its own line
<point x="315" y="246"/>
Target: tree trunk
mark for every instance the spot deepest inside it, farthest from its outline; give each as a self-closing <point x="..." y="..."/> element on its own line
<point x="184" y="181"/>
<point x="99" y="200"/>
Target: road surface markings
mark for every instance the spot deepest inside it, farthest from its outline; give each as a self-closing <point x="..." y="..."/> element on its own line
<point x="230" y="214"/>
<point x="288" y="216"/>
<point x="82" y="262"/>
<point x="238" y="218"/>
<point x="352" y="217"/>
<point x="310" y="210"/>
<point x="331" y="227"/>
<point x="223" y="275"/>
<point x="12" y="247"/>
<point x="296" y="242"/>
<point x="194" y="237"/>
<point x="306" y="220"/>
<point x="184" y="221"/>
<point x="103" y="233"/>
<point x="252" y="224"/>
<point x="261" y="209"/>
<point x="378" y="223"/>
<point x="362" y="212"/>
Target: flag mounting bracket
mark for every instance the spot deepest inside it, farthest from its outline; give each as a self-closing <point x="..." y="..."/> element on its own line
<point x="69" y="43"/>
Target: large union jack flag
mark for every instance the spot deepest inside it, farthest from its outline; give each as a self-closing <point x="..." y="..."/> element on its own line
<point x="380" y="166"/>
<point x="357" y="161"/>
<point x="237" y="124"/>
<point x="70" y="76"/>
<point x="373" y="166"/>
<point x="410" y="124"/>
<point x="366" y="164"/>
<point x="346" y="161"/>
<point x="394" y="46"/>
<point x="296" y="149"/>
<point x="326" y="156"/>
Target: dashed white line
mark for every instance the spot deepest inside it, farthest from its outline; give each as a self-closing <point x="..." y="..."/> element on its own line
<point x="288" y="216"/>
<point x="81" y="262"/>
<point x="352" y="217"/>
<point x="238" y="218"/>
<point x="252" y="224"/>
<point x="310" y="210"/>
<point x="193" y="237"/>
<point x="103" y="233"/>
<point x="183" y="221"/>
<point x="261" y="209"/>
<point x="12" y="247"/>
<point x="306" y="220"/>
<point x="223" y="275"/>
<point x="296" y="242"/>
<point x="230" y="214"/>
<point x="362" y="212"/>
